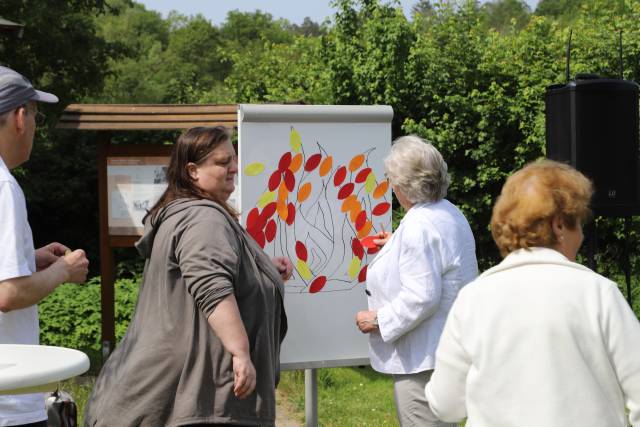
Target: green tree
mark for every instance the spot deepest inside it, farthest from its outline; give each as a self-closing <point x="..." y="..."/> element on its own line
<point x="504" y="15"/>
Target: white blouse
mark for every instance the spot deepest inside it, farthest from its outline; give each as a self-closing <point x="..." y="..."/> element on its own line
<point x="412" y="283"/>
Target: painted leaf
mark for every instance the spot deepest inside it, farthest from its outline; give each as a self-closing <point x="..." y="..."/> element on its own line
<point x="317" y="284"/>
<point x="291" y="213"/>
<point x="312" y="162"/>
<point x="274" y="180"/>
<point x="355" y="211"/>
<point x="362" y="276"/>
<point x="345" y="191"/>
<point x="295" y="140"/>
<point x="364" y="231"/>
<point x="357" y="248"/>
<point x="269" y="210"/>
<point x="361" y="219"/>
<point x="296" y="162"/>
<point x="362" y="175"/>
<point x="270" y="231"/>
<point x="367" y="242"/>
<point x="266" y="198"/>
<point x="252" y="218"/>
<point x="283" y="211"/>
<point x="253" y="169"/>
<point x="303" y="269"/>
<point x="304" y="192"/>
<point x="356" y="162"/>
<point x="284" y="162"/>
<point x="325" y="166"/>
<point x="258" y="236"/>
<point x="289" y="180"/>
<point x="283" y="193"/>
<point x="354" y="267"/>
<point x="301" y="251"/>
<point x="381" y="189"/>
<point x="381" y="208"/>
<point x="340" y="175"/>
<point x="349" y="203"/>
<point x="371" y="251"/>
<point x="370" y="183"/>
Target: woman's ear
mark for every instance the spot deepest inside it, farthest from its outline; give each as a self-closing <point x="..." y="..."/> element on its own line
<point x="557" y="224"/>
<point x="192" y="170"/>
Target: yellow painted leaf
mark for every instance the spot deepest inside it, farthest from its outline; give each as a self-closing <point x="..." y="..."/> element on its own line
<point x="354" y="267"/>
<point x="304" y="192"/>
<point x="266" y="198"/>
<point x="295" y="140"/>
<point x="356" y="162"/>
<point x="253" y="169"/>
<point x="381" y="189"/>
<point x="303" y="269"/>
<point x="370" y="183"/>
<point x="325" y="166"/>
<point x="296" y="162"/>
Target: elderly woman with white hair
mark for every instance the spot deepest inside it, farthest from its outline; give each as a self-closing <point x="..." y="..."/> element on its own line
<point x="416" y="276"/>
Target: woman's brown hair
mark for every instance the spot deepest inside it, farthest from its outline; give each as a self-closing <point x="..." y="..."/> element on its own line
<point x="532" y="197"/>
<point x="193" y="146"/>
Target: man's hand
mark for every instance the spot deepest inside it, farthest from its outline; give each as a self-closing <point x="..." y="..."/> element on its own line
<point x="367" y="321"/>
<point x="382" y="238"/>
<point x="47" y="255"/>
<point x="75" y="264"/>
<point x="244" y="376"/>
<point x="284" y="266"/>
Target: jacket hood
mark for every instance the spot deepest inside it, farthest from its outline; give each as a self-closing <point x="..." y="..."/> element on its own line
<point x="145" y="244"/>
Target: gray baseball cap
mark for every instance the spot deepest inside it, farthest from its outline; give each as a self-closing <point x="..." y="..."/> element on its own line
<point x="16" y="90"/>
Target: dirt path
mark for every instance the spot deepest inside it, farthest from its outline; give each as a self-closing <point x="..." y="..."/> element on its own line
<point x="285" y="413"/>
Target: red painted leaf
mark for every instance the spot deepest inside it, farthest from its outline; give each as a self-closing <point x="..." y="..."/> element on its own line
<point x="268" y="211"/>
<point x="361" y="220"/>
<point x="367" y="242"/>
<point x="284" y="162"/>
<point x="291" y="215"/>
<point x="274" y="180"/>
<point x="253" y="218"/>
<point x="362" y="276"/>
<point x="340" y="175"/>
<point x="381" y="208"/>
<point x="289" y="180"/>
<point x="270" y="231"/>
<point x="312" y="162"/>
<point x="345" y="191"/>
<point x="357" y="248"/>
<point x="258" y="236"/>
<point x="372" y="251"/>
<point x="362" y="175"/>
<point x="317" y="284"/>
<point x="301" y="251"/>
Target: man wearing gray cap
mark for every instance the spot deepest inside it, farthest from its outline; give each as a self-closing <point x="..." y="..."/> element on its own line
<point x="26" y="275"/>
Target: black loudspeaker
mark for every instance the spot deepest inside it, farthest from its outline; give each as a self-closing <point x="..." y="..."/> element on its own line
<point x="592" y="124"/>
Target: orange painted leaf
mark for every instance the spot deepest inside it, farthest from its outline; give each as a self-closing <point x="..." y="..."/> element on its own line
<point x="362" y="276"/>
<point x="345" y="191"/>
<point x="304" y="192"/>
<point x="355" y="211"/>
<point x="381" y="189"/>
<point x="301" y="251"/>
<point x="362" y="175"/>
<point x="356" y="162"/>
<point x="312" y="162"/>
<point x="283" y="211"/>
<point x="349" y="203"/>
<point x="296" y="162"/>
<point x="283" y="193"/>
<point x="284" y="162"/>
<point x="317" y="284"/>
<point x="340" y="175"/>
<point x="364" y="231"/>
<point x="325" y="166"/>
<point x="381" y="208"/>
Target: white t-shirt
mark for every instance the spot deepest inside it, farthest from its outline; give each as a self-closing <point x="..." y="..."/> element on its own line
<point x="17" y="259"/>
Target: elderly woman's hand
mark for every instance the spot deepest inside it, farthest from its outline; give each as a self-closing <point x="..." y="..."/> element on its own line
<point x="382" y="238"/>
<point x="367" y="321"/>
<point x="284" y="266"/>
<point x="244" y="376"/>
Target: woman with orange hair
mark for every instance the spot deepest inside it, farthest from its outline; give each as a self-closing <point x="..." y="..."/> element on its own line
<point x="539" y="340"/>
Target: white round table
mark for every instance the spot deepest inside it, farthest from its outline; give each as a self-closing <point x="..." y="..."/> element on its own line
<point x="38" y="368"/>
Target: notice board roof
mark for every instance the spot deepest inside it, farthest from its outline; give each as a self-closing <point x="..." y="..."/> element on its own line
<point x="147" y="116"/>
